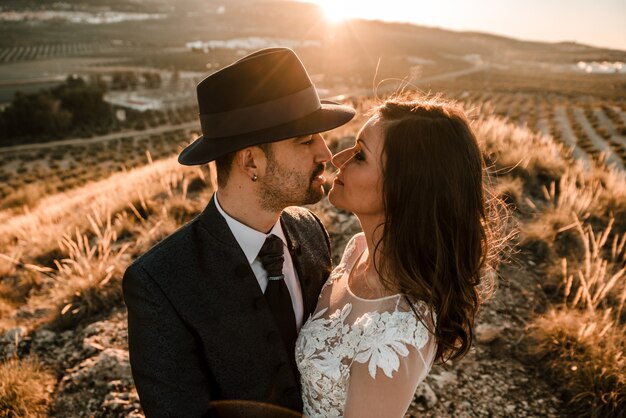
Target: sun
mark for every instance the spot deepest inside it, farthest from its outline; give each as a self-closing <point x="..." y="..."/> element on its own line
<point x="336" y="11"/>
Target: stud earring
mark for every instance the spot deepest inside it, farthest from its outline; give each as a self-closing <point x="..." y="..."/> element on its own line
<point x="254" y="177"/>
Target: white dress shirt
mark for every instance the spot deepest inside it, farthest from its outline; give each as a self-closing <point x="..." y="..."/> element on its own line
<point x="250" y="240"/>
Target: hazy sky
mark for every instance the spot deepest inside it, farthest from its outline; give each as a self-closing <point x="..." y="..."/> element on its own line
<point x="593" y="22"/>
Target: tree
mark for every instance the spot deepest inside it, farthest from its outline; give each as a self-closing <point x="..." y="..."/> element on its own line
<point x="53" y="113"/>
<point x="84" y="102"/>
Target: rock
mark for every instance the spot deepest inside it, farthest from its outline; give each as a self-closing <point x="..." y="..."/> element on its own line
<point x="425" y="395"/>
<point x="12" y="341"/>
<point x="44" y="337"/>
<point x="45" y="344"/>
<point x="14" y="335"/>
<point x="114" y="385"/>
<point x="444" y="379"/>
<point x="486" y="333"/>
<point x="110" y="364"/>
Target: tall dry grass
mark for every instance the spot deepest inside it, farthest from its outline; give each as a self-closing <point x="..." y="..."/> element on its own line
<point x="86" y="282"/>
<point x="91" y="235"/>
<point x="37" y="232"/>
<point x="87" y="237"/>
<point x="573" y="220"/>
<point x="583" y="340"/>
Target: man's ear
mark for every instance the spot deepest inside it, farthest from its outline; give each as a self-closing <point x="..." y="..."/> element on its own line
<point x="251" y="162"/>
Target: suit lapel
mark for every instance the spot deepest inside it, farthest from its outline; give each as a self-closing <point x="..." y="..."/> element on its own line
<point x="210" y="269"/>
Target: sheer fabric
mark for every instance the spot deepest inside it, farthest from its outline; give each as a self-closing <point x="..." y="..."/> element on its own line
<point x="362" y="357"/>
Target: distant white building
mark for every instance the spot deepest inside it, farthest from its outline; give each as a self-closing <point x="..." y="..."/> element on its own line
<point x="150" y="99"/>
<point x="603" y="67"/>
<point x="249" y="43"/>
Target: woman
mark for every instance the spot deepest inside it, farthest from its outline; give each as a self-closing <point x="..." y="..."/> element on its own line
<point x="407" y="289"/>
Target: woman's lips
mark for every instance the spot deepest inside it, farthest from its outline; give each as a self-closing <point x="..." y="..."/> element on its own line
<point x="339" y="182"/>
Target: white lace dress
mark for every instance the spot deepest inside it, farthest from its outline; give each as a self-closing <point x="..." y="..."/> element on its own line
<point x="362" y="357"/>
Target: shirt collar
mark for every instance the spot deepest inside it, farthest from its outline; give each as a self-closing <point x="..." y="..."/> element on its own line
<point x="249" y="239"/>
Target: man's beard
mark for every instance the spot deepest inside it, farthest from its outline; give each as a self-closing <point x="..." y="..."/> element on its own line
<point x="281" y="188"/>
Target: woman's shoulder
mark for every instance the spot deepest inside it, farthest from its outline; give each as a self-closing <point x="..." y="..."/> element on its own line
<point x="391" y="332"/>
<point x="411" y="321"/>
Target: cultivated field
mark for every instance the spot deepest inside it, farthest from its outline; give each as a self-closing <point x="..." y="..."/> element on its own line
<point x="45" y="51"/>
<point x="590" y="127"/>
<point x="27" y="175"/>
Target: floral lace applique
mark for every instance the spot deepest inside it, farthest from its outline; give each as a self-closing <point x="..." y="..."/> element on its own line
<point x="327" y="346"/>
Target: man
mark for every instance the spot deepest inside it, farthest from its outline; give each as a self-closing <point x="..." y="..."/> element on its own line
<point x="214" y="309"/>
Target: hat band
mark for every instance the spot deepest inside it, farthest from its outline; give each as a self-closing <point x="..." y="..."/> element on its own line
<point x="261" y="116"/>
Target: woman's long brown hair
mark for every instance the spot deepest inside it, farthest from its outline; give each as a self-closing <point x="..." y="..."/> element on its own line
<point x="436" y="237"/>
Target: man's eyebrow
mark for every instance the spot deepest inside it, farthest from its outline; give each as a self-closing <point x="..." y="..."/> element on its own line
<point x="364" y="144"/>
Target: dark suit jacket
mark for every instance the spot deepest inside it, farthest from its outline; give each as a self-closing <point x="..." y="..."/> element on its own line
<point x="199" y="328"/>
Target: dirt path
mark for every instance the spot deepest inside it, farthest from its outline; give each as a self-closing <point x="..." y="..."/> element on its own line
<point x="102" y="138"/>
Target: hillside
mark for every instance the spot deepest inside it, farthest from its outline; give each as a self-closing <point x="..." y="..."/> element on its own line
<point x="63" y="321"/>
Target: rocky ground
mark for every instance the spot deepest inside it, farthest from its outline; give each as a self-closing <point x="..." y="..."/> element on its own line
<point x="495" y="379"/>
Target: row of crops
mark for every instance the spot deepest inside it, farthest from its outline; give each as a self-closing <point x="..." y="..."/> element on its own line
<point x="43" y="51"/>
<point x="590" y="126"/>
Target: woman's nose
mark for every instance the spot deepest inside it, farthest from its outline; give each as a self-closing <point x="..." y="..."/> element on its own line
<point x="340" y="158"/>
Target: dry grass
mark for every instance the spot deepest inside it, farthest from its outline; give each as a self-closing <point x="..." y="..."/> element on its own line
<point x="583" y="341"/>
<point x="27" y="195"/>
<point x="583" y="353"/>
<point x="25" y="388"/>
<point x="573" y="221"/>
<point x="37" y="232"/>
<point x="518" y="151"/>
<point x="87" y="282"/>
<point x="85" y="255"/>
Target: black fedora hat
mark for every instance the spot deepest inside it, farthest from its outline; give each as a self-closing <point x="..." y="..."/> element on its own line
<point x="266" y="96"/>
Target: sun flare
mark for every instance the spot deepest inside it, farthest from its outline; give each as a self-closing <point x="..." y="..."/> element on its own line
<point x="335" y="11"/>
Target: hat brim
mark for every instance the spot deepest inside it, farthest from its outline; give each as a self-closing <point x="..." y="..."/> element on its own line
<point x="331" y="115"/>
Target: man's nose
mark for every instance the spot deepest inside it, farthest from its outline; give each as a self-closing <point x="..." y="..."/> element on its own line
<point x="323" y="153"/>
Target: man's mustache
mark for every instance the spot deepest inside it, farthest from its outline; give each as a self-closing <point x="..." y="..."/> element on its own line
<point x="318" y="170"/>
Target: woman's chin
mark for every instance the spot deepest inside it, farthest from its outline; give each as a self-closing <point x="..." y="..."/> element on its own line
<point x="333" y="198"/>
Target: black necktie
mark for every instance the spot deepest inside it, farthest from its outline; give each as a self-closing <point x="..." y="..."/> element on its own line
<point x="277" y="293"/>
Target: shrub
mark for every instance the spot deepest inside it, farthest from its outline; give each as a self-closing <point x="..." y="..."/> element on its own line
<point x="88" y="279"/>
<point x="583" y="341"/>
<point x="25" y="387"/>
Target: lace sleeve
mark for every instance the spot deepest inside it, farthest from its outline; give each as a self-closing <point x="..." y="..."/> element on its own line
<point x="385" y="373"/>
